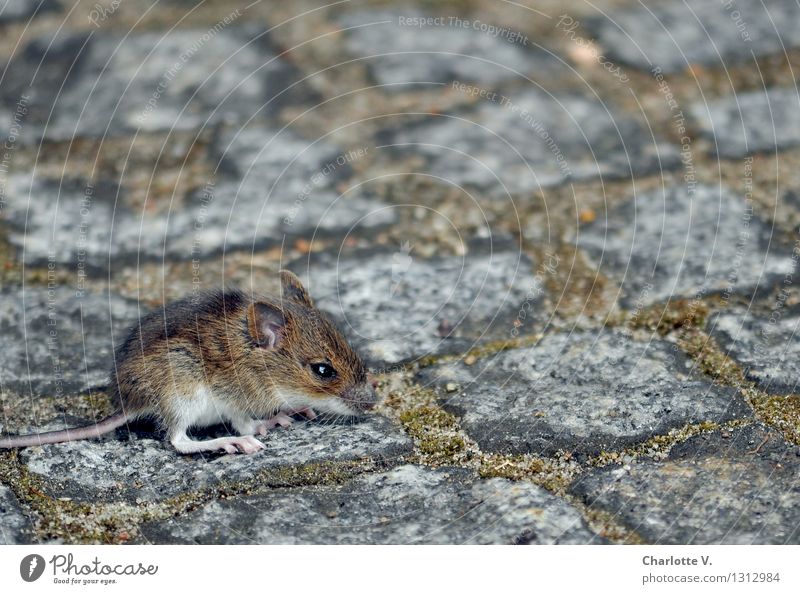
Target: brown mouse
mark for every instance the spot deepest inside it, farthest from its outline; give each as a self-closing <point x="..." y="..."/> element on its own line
<point x="229" y="357"/>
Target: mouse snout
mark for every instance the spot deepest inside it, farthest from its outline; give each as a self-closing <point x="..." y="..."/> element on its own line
<point x="363" y="397"/>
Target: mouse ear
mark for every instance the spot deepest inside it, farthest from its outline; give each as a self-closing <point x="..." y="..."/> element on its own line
<point x="293" y="290"/>
<point x="266" y="323"/>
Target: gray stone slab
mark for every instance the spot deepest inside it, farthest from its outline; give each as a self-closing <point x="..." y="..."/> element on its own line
<point x="581" y="392"/>
<point x="107" y="84"/>
<point x="145" y="468"/>
<point x="405" y="52"/>
<point x="280" y="156"/>
<point x="55" y="342"/>
<point x="682" y="242"/>
<point x="751" y="122"/>
<point x="19" y="10"/>
<point x="766" y="345"/>
<point x="530" y="140"/>
<point x="739" y="489"/>
<point x="83" y="228"/>
<point x="408" y="505"/>
<point x="273" y="185"/>
<point x="12" y="521"/>
<point x="674" y="34"/>
<point x="396" y="307"/>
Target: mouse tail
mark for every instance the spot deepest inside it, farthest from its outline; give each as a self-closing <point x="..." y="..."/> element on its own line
<point x="95" y="430"/>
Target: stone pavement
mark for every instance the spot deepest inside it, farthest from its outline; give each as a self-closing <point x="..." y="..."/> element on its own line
<point x="564" y="238"/>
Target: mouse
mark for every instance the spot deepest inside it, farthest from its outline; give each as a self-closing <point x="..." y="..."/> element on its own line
<point x="252" y="361"/>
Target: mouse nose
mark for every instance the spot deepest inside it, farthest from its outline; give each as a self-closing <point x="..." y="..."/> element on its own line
<point x="370" y="397"/>
<point x="365" y="397"/>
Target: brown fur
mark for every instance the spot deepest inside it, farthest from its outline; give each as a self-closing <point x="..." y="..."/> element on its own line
<point x="209" y="339"/>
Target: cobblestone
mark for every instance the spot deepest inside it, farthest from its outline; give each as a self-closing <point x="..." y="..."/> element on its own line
<point x="674" y="35"/>
<point x="751" y="122"/>
<point x="109" y="85"/>
<point x="60" y="342"/>
<point x="408" y="505"/>
<point x="582" y="393"/>
<point x="528" y="140"/>
<point x="685" y="242"/>
<point x="739" y="487"/>
<point x="767" y="345"/>
<point x="398" y="308"/>
<point x="493" y="216"/>
<point x="12" y="521"/>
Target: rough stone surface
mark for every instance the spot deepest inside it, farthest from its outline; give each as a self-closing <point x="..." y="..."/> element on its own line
<point x="277" y="187"/>
<point x="582" y="393"/>
<point x="440" y="189"/>
<point x="680" y="243"/>
<point x="145" y="468"/>
<point x="12" y="520"/>
<point x="530" y="140"/>
<point x="742" y="488"/>
<point x="768" y="350"/>
<point x="675" y="34"/>
<point x="60" y="343"/>
<point x="82" y="227"/>
<point x="275" y="183"/>
<point x="397" y="307"/>
<point x="105" y="84"/>
<point x="751" y="122"/>
<point x="405" y="56"/>
<point x="408" y="505"/>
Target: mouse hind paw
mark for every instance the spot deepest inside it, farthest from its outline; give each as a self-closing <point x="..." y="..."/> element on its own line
<point x="246" y="444"/>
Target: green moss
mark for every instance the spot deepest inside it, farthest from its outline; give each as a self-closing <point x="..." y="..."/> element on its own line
<point x="484" y="350"/>
<point x="712" y="360"/>
<point x="659" y="446"/>
<point x="554" y="474"/>
<point x="21" y="411"/>
<point x="436" y="434"/>
<point x="323" y="473"/>
<point x="69" y="521"/>
<point x="781" y="412"/>
<point x="581" y="289"/>
<point x="682" y="314"/>
<point x="511" y="467"/>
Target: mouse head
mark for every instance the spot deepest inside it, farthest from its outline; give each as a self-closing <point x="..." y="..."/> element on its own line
<point x="316" y="364"/>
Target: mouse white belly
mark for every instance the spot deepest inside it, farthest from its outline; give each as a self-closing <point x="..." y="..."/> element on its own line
<point x="204" y="408"/>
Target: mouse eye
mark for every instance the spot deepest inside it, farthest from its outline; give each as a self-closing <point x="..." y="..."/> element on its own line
<point x="323" y="370"/>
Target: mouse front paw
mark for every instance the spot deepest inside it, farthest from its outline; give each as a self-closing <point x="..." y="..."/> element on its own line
<point x="246" y="444"/>
<point x="306" y="411"/>
<point x="282" y="419"/>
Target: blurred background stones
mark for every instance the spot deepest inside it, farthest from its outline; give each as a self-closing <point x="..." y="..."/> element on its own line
<point x="564" y="238"/>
